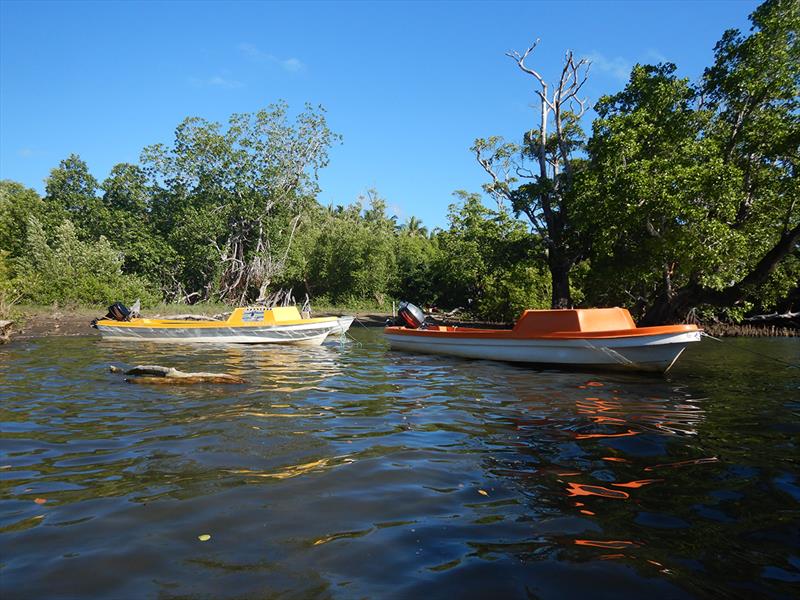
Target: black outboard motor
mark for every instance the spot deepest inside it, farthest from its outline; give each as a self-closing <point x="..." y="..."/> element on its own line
<point x="118" y="312"/>
<point x="411" y="316"/>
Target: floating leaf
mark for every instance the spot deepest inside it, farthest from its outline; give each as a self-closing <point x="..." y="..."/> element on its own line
<point x="483" y="492"/>
<point x="204" y="538"/>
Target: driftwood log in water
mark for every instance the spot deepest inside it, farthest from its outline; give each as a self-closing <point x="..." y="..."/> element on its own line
<point x="787" y="319"/>
<point x="158" y="375"/>
<point x="5" y="331"/>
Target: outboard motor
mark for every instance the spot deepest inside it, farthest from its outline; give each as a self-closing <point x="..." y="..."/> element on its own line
<point x="411" y="316"/>
<point x="118" y="312"/>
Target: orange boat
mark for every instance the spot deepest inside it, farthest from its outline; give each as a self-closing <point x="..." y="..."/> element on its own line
<point x="590" y="338"/>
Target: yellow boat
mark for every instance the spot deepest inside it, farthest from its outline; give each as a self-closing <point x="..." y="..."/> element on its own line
<point x="250" y="325"/>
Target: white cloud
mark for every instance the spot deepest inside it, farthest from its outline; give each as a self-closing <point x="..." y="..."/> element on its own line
<point x="617" y="67"/>
<point x="25" y="152"/>
<point x="654" y="56"/>
<point x="292" y="64"/>
<point x="216" y="81"/>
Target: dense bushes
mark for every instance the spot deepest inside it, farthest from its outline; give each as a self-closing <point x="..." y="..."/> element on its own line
<point x="483" y="262"/>
<point x="68" y="269"/>
<point x="355" y="255"/>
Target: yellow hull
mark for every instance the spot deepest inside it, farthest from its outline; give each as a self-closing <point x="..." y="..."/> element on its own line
<point x="281" y="325"/>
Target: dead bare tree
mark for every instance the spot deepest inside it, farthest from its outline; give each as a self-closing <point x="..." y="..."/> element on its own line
<point x="542" y="193"/>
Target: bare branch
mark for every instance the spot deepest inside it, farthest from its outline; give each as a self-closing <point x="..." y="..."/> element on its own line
<point x="520" y="60"/>
<point x="501" y="186"/>
<point x="524" y="173"/>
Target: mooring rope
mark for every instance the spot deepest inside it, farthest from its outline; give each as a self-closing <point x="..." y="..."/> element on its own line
<point x="760" y="354"/>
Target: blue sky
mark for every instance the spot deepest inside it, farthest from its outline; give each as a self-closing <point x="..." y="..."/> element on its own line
<point x="408" y="85"/>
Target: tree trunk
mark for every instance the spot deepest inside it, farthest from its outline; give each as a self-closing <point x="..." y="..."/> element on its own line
<point x="559" y="274"/>
<point x="673" y="308"/>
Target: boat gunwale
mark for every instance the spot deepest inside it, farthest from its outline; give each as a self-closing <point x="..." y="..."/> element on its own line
<point x="511" y="334"/>
<point x="188" y="324"/>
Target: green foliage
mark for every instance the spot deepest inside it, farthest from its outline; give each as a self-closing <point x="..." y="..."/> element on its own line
<point x="353" y="253"/>
<point x="6" y="279"/>
<point x="229" y="200"/>
<point x="71" y="193"/>
<point x="487" y="263"/>
<point x="130" y="226"/>
<point x="690" y="188"/>
<point x="685" y="197"/>
<point x="17" y="205"/>
<point x="69" y="269"/>
<point x="653" y="188"/>
<point x="416" y="256"/>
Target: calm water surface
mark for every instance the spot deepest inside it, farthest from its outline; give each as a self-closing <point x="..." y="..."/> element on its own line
<point x="354" y="471"/>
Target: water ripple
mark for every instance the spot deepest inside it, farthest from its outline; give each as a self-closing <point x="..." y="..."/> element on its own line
<point x="350" y="470"/>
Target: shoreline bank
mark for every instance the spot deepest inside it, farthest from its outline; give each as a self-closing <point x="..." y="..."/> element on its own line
<point x="36" y="322"/>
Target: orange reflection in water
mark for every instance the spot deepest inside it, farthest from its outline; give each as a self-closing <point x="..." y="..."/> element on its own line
<point x="594" y="405"/>
<point x="610" y="544"/>
<point x="580" y="489"/>
<point x="601" y="420"/>
<point x="586" y="436"/>
<point x="651" y="414"/>
<point x="615" y="459"/>
<point x="636" y="484"/>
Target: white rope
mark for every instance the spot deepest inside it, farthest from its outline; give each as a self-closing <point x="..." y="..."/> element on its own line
<point x="613" y="354"/>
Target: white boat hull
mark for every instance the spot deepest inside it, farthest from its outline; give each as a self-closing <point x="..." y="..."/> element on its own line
<point x="312" y="334"/>
<point x="642" y="353"/>
<point x="342" y="325"/>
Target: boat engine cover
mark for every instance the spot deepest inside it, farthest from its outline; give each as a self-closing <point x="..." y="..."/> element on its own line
<point x="118" y="312"/>
<point x="411" y="315"/>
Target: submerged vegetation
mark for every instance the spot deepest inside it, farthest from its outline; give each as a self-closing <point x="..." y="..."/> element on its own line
<point x="682" y="199"/>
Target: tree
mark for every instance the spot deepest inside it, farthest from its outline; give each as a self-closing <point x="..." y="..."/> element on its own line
<point x="71" y="193"/>
<point x="17" y="205"/>
<point x="353" y="257"/>
<point x="691" y="198"/>
<point x="547" y="195"/>
<point x="65" y="268"/>
<point x="129" y="223"/>
<point x="416" y="256"/>
<point x="413" y="227"/>
<point x="231" y="199"/>
<point x="487" y="262"/>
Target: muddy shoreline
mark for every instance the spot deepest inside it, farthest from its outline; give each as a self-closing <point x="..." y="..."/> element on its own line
<point x="41" y="322"/>
<point x="36" y="323"/>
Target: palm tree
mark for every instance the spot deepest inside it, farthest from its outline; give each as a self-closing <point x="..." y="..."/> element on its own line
<point x="413" y="227"/>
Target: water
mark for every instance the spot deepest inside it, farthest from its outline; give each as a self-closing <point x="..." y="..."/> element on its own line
<point x="358" y="472"/>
